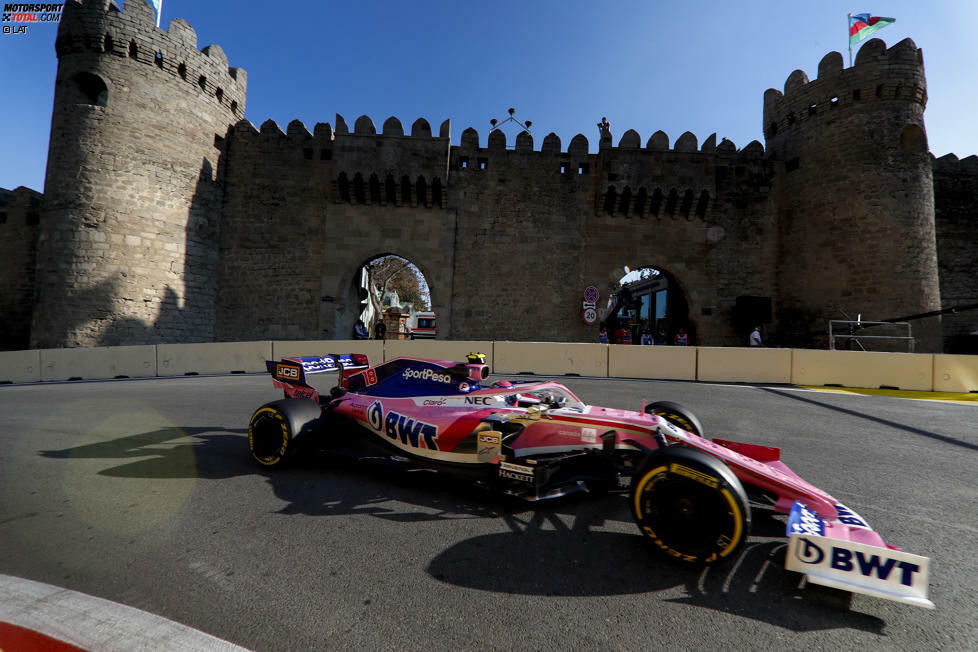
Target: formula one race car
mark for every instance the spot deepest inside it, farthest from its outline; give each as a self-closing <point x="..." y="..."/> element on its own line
<point x="537" y="440"/>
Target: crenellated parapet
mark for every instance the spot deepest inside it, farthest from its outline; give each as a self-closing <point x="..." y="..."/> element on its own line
<point x="295" y="142"/>
<point x="579" y="144"/>
<point x="391" y="168"/>
<point x="956" y="192"/>
<point x="651" y="181"/>
<point x="99" y="27"/>
<point x="950" y="166"/>
<point x="879" y="75"/>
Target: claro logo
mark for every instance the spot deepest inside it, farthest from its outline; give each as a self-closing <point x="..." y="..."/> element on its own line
<point x="426" y="374"/>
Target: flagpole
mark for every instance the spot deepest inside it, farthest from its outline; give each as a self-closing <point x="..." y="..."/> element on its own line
<point x="848" y="27"/>
<point x="159" y="12"/>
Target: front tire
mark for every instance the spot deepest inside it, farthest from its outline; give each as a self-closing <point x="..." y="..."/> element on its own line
<point x="677" y="415"/>
<point x="690" y="505"/>
<point x="274" y="428"/>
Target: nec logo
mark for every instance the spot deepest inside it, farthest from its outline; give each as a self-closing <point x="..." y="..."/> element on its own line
<point x="855" y="561"/>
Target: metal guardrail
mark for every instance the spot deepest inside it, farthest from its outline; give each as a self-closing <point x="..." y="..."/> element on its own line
<point x="854" y="341"/>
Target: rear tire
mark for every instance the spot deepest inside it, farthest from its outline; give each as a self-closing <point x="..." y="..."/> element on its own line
<point x="677" y="415"/>
<point x="690" y="505"/>
<point x="275" y="427"/>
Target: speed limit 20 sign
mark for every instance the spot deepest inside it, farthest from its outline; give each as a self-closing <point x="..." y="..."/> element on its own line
<point x="590" y="304"/>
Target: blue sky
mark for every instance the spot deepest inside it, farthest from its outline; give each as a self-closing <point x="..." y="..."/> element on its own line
<point x="699" y="66"/>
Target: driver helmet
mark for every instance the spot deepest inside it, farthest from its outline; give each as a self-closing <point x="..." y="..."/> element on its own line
<point x="511" y="399"/>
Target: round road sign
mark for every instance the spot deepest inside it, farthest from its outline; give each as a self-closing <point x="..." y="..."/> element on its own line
<point x="590" y="315"/>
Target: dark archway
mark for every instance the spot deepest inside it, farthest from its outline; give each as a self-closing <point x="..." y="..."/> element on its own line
<point x="647" y="301"/>
<point x="395" y="300"/>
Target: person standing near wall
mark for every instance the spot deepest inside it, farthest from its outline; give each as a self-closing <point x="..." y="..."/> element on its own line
<point x="755" y="337"/>
<point x="681" y="338"/>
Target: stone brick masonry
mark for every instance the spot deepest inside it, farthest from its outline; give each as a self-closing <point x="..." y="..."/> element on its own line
<point x="168" y="218"/>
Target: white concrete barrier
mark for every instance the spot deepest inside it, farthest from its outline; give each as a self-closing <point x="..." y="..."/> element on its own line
<point x="743" y="365"/>
<point x="550" y="358"/>
<point x="913" y="371"/>
<point x="660" y="362"/>
<point x="438" y="349"/>
<point x="919" y="372"/>
<point x="955" y="373"/>
<point x="98" y="362"/>
<point x="373" y="349"/>
<point x="215" y="358"/>
<point x="20" y="366"/>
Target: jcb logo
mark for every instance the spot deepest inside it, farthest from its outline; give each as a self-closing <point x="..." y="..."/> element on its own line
<point x="287" y="372"/>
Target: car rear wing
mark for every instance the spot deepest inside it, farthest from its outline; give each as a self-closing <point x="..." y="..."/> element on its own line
<point x="290" y="373"/>
<point x="295" y="370"/>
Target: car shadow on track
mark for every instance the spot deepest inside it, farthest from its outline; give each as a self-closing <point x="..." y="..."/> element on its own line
<point x="578" y="546"/>
<point x="540" y="558"/>
<point x="571" y="547"/>
<point x="168" y="453"/>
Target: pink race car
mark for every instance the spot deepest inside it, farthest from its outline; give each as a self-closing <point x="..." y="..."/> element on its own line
<point x="537" y="440"/>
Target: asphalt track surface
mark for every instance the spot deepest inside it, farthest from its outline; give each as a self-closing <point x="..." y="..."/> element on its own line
<point x="143" y="493"/>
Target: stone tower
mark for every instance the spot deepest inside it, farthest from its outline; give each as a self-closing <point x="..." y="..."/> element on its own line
<point x="855" y="199"/>
<point x="128" y="249"/>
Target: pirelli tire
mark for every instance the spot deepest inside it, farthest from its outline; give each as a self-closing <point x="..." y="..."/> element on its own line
<point x="275" y="429"/>
<point x="690" y="505"/>
<point x="677" y="415"/>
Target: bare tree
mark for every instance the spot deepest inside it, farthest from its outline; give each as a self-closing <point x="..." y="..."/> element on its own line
<point x="394" y="274"/>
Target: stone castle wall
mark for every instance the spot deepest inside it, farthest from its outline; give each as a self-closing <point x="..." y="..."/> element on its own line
<point x="169" y="218"/>
<point x="956" y="220"/>
<point x="537" y="227"/>
<point x="20" y="217"/>
<point x="855" y="209"/>
<point x="132" y="207"/>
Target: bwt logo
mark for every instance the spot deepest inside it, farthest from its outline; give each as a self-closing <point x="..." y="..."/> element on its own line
<point x="375" y="416"/>
<point x="852" y="561"/>
<point x="401" y="428"/>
